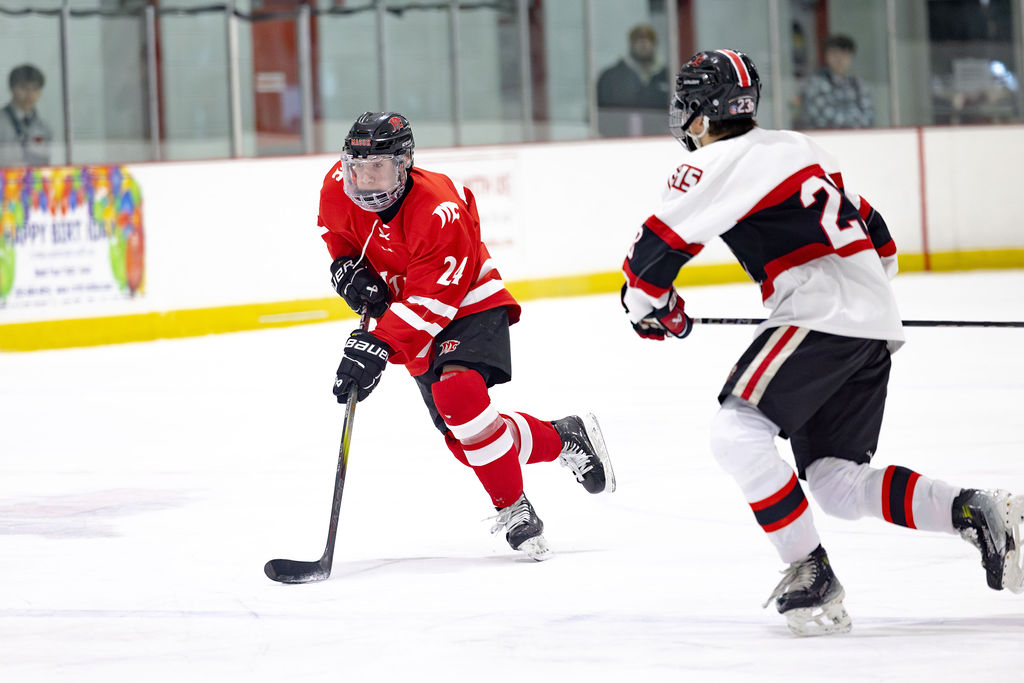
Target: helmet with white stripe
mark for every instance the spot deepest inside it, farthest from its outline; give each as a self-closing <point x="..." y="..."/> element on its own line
<point x="719" y="85"/>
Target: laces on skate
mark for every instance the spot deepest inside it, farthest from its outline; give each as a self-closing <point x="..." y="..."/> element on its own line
<point x="811" y="597"/>
<point x="523" y="529"/>
<point x="576" y="460"/>
<point x="584" y="452"/>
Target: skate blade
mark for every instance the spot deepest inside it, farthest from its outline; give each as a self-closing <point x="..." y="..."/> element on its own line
<point x="1013" y="563"/>
<point x="597" y="440"/>
<point x="828" y="619"/>
<point x="536" y="548"/>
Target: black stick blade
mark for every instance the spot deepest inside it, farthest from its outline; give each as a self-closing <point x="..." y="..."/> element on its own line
<point x="292" y="571"/>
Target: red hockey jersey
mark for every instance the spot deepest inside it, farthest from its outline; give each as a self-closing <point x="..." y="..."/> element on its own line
<point x="430" y="254"/>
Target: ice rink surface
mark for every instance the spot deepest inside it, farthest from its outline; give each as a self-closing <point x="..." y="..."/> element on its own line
<point x="143" y="487"/>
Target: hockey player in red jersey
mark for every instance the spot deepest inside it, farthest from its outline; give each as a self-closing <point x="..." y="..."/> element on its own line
<point x="818" y="367"/>
<point x="405" y="243"/>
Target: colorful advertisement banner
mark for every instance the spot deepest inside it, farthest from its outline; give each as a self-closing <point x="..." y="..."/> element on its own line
<point x="69" y="235"/>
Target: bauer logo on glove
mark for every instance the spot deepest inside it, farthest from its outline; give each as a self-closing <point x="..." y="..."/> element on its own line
<point x="368" y="347"/>
<point x="364" y="360"/>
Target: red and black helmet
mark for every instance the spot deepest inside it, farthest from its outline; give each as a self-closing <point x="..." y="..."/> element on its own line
<point x="718" y="84"/>
<point x="376" y="159"/>
<point x="379" y="133"/>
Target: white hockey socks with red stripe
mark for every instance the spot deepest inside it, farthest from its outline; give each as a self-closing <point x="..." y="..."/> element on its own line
<point x="896" y="494"/>
<point x="743" y="442"/>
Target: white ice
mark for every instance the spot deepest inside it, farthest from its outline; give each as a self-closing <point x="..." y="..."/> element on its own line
<point x="143" y="487"/>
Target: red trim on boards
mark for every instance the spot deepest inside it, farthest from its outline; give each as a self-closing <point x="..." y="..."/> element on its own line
<point x="922" y="179"/>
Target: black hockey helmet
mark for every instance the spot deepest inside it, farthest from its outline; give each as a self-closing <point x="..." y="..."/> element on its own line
<point x="716" y="84"/>
<point x="376" y="159"/>
<point x="379" y="133"/>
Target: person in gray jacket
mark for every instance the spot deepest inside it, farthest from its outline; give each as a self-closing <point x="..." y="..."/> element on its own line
<point x="24" y="136"/>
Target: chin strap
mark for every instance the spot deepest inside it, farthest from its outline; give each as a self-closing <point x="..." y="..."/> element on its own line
<point x="695" y="142"/>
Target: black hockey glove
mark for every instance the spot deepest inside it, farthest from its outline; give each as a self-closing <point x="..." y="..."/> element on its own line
<point x="365" y="358"/>
<point x="669" y="319"/>
<point x="360" y="286"/>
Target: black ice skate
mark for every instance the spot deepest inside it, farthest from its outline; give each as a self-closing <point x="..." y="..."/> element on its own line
<point x="523" y="529"/>
<point x="991" y="522"/>
<point x="584" y="452"/>
<point x="811" y="597"/>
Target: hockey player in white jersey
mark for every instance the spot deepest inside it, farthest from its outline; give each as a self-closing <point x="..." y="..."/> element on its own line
<point x="818" y="368"/>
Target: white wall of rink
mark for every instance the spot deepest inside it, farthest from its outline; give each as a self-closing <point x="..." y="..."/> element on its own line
<point x="245" y="231"/>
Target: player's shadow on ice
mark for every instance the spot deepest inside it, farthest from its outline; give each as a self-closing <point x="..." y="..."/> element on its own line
<point x="437" y="565"/>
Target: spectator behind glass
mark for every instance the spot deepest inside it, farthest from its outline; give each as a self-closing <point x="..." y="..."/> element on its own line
<point x="633" y="95"/>
<point x="835" y="98"/>
<point x="24" y="137"/>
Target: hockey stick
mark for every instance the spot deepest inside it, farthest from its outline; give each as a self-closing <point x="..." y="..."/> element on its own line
<point x="295" y="571"/>
<point x="906" y="323"/>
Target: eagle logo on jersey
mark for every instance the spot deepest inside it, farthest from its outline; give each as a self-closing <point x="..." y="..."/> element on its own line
<point x="447" y="212"/>
<point x="449" y="346"/>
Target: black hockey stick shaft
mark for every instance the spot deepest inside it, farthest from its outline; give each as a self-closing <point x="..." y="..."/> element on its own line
<point x="906" y="323"/>
<point x="295" y="571"/>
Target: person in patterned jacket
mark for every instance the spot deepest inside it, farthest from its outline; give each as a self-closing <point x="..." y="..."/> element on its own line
<point x="406" y="246"/>
<point x="834" y="97"/>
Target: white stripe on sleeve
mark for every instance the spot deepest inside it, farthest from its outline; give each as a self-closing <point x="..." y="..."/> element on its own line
<point x="434" y="306"/>
<point x="482" y="291"/>
<point x="414" y="321"/>
<point x="486" y="267"/>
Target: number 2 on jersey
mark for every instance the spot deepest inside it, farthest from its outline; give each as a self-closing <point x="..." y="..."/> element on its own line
<point x="838" y="235"/>
<point x="452" y="275"/>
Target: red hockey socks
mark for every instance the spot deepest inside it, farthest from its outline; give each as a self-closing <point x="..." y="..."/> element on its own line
<point x="486" y="441"/>
<point x="541" y="442"/>
<point x="536" y="440"/>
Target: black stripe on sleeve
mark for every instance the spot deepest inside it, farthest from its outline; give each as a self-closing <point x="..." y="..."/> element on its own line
<point x="878" y="231"/>
<point x="654" y="261"/>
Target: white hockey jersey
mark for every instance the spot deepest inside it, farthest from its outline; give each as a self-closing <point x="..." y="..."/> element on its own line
<point x="821" y="255"/>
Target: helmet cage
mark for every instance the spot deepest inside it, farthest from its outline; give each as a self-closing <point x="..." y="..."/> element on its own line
<point x="383" y="140"/>
<point x="680" y="115"/>
<point x="390" y="171"/>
